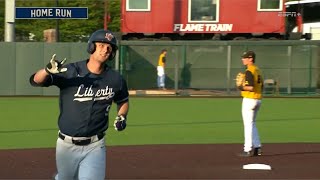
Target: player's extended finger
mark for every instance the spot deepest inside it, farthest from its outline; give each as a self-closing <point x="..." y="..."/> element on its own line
<point x="63" y="61"/>
<point x="53" y="58"/>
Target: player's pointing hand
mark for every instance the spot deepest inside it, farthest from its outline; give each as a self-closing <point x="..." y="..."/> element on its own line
<point x="55" y="66"/>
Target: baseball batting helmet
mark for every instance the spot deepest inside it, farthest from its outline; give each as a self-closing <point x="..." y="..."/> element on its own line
<point x="104" y="36"/>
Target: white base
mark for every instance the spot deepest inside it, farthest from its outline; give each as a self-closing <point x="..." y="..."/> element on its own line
<point x="257" y="166"/>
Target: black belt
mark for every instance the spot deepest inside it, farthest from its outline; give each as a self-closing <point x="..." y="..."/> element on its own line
<point x="82" y="142"/>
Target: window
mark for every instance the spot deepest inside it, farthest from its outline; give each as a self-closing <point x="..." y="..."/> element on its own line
<point x="308" y="10"/>
<point x="270" y="5"/>
<point x="203" y="11"/>
<point x="138" y="5"/>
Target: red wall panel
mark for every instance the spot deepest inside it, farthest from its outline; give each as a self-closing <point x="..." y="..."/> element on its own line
<point x="241" y="15"/>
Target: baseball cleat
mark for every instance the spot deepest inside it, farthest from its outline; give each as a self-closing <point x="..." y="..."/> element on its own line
<point x="54" y="176"/>
<point x="257" y="151"/>
<point x="246" y="154"/>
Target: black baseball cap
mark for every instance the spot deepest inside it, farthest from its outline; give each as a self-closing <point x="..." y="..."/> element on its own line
<point x="248" y="54"/>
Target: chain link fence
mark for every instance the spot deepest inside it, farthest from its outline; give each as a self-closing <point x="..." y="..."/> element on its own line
<point x="289" y="67"/>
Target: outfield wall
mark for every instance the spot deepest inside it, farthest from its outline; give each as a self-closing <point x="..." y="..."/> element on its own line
<point x="190" y="64"/>
<point x="214" y="64"/>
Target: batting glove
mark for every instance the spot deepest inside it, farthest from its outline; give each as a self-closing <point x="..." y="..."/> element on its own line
<point x="54" y="66"/>
<point x="120" y="123"/>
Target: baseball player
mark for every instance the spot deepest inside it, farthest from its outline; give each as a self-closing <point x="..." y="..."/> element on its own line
<point x="161" y="69"/>
<point x="87" y="90"/>
<point x="251" y="91"/>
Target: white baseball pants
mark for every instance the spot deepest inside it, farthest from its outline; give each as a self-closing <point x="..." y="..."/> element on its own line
<point x="81" y="162"/>
<point x="250" y="108"/>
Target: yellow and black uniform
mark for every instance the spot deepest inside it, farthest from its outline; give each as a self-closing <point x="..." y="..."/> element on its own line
<point x="162" y="60"/>
<point x="161" y="69"/>
<point x="251" y="103"/>
<point x="253" y="78"/>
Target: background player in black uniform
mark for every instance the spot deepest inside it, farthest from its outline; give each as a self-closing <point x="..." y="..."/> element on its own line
<point x="87" y="90"/>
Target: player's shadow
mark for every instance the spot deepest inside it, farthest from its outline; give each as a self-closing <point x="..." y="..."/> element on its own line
<point x="292" y="153"/>
<point x="185" y="76"/>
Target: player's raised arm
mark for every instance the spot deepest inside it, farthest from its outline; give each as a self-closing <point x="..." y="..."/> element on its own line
<point x="41" y="76"/>
<point x="53" y="67"/>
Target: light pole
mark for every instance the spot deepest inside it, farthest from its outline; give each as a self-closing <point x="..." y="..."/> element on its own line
<point x="9" y="21"/>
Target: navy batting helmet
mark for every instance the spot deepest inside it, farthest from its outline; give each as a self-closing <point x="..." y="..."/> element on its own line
<point x="104" y="36"/>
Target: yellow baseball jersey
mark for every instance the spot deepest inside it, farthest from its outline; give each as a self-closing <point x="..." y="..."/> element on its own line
<point x="161" y="60"/>
<point x="253" y="78"/>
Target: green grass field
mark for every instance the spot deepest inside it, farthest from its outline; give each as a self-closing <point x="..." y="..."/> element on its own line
<point x="32" y="122"/>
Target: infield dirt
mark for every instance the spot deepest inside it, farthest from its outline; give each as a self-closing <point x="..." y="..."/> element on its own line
<point x="201" y="161"/>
